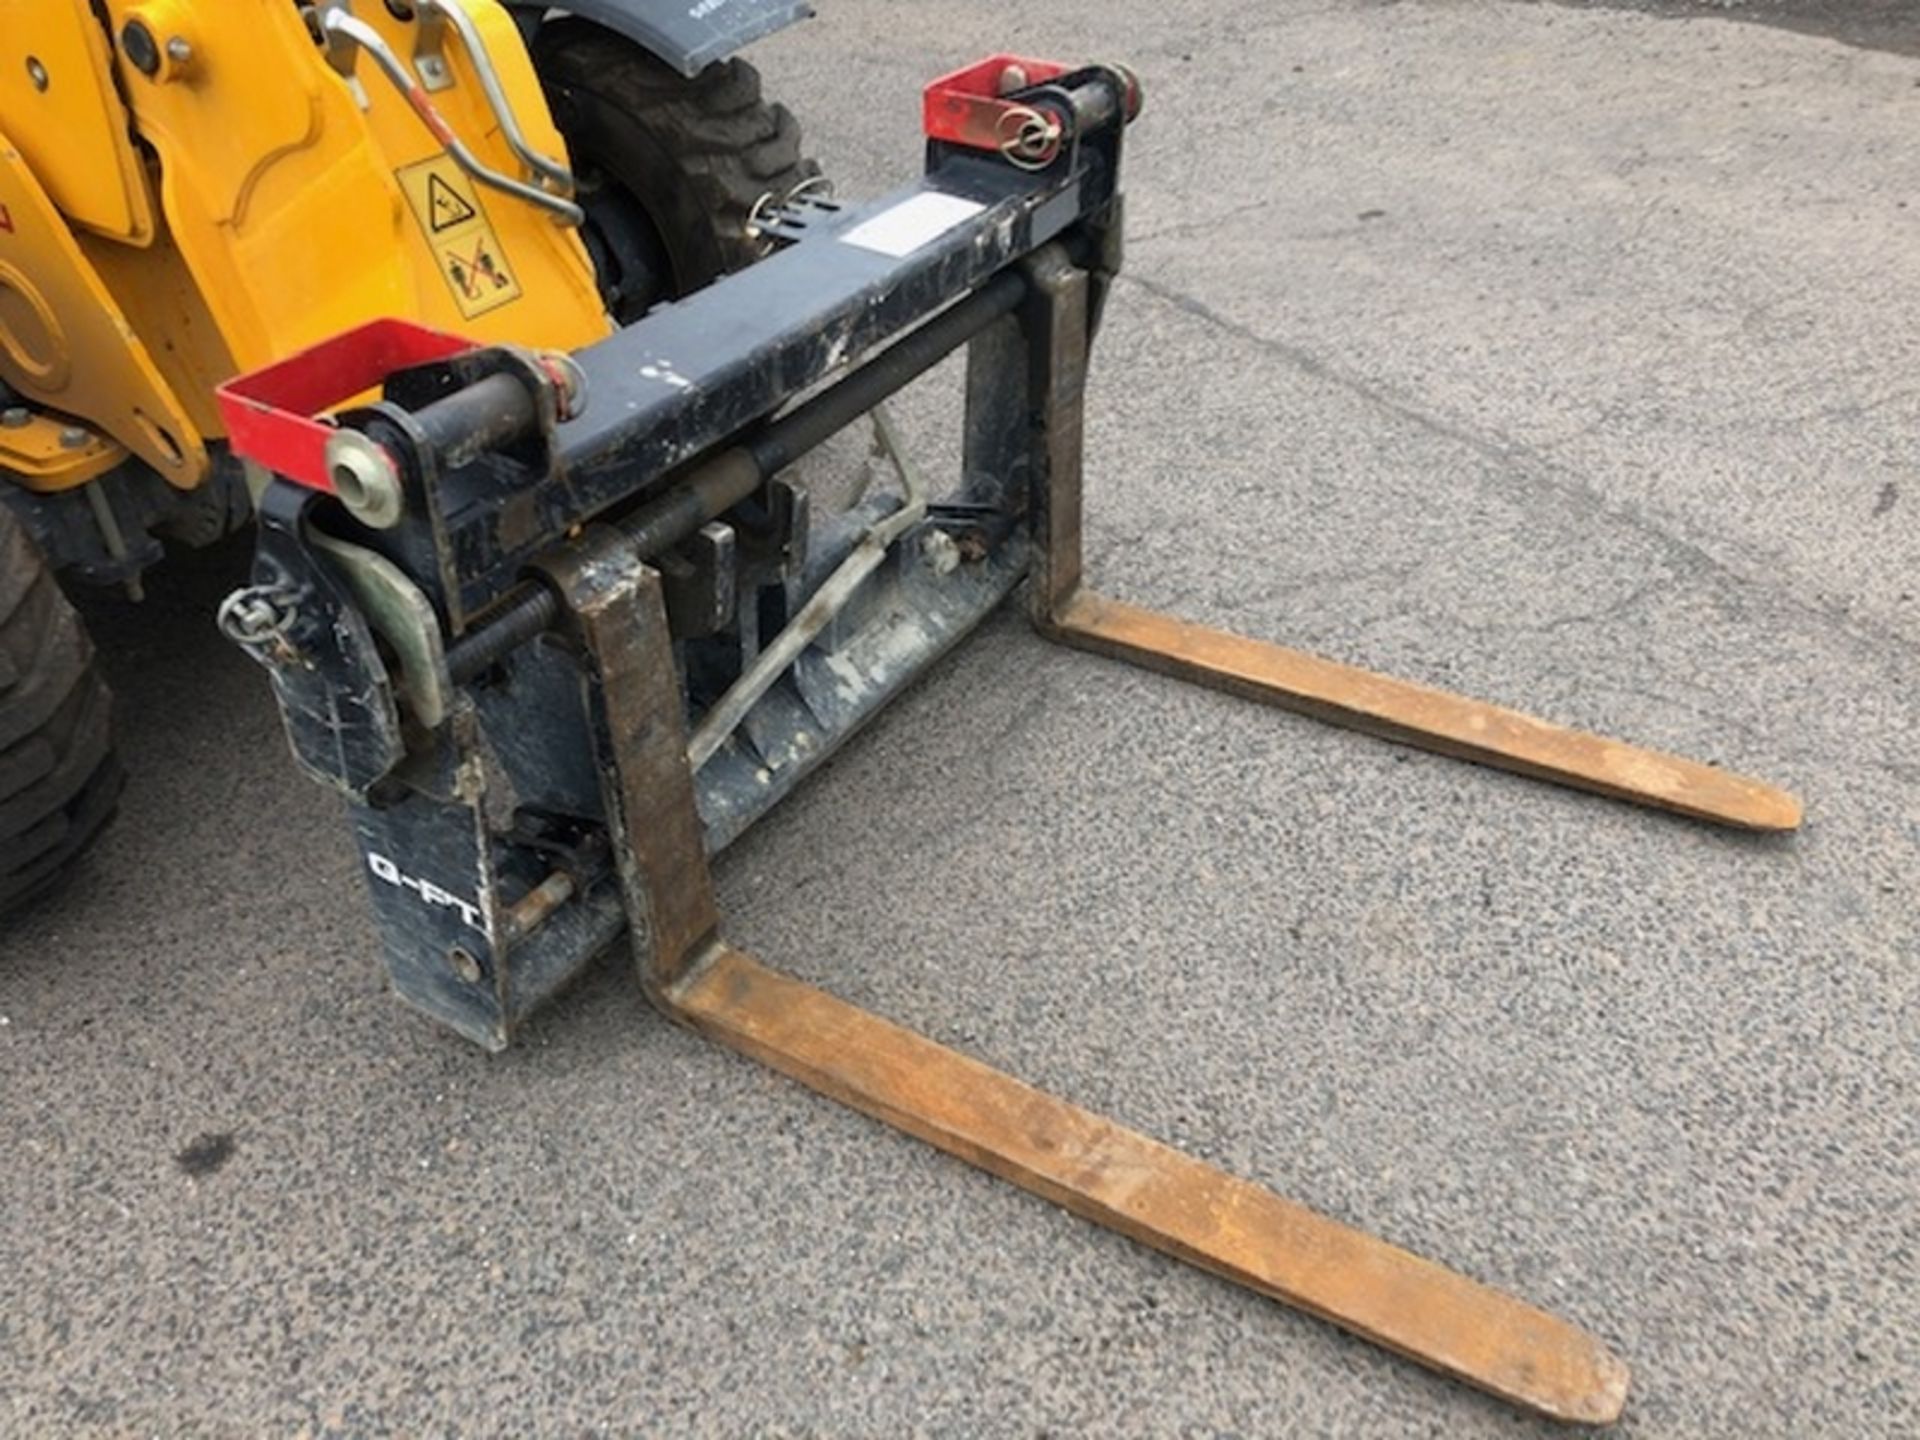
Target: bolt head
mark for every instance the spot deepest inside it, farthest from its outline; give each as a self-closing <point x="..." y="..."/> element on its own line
<point x="569" y="383"/>
<point x="74" y="438"/>
<point x="179" y="49"/>
<point x="941" y="552"/>
<point x="15" y="417"/>
<point x="36" y="72"/>
<point x="463" y="964"/>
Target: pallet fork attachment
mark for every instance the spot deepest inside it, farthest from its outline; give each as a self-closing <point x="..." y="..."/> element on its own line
<point x="414" y="664"/>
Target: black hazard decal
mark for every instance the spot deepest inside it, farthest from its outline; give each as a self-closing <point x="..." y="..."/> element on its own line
<point x="465" y="248"/>
<point x="475" y="270"/>
<point x="446" y="207"/>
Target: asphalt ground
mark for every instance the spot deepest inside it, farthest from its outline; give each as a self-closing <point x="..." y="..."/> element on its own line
<point x="1564" y="356"/>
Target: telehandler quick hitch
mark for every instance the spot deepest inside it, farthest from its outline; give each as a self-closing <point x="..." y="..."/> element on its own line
<point x="559" y="629"/>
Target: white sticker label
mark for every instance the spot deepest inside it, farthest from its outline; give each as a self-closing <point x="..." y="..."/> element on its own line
<point x="907" y="226"/>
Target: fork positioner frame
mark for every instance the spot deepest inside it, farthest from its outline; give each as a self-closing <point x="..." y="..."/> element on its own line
<point x="494" y="602"/>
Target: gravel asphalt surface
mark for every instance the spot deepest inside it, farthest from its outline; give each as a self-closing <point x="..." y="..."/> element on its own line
<point x="1567" y="356"/>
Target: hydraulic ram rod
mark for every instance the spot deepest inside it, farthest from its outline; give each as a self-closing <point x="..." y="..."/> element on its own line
<point x="717" y="485"/>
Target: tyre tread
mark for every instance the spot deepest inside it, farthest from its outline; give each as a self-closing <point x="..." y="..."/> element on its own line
<point x="59" y="778"/>
<point x="713" y="146"/>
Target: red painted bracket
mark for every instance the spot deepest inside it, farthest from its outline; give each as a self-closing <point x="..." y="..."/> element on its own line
<point x="969" y="106"/>
<point x="276" y="415"/>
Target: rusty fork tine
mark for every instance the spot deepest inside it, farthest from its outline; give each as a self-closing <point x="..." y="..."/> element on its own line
<point x="1064" y="609"/>
<point x="1150" y="1192"/>
<point x="1026" y="383"/>
<point x="1412" y="714"/>
<point x="1077" y="1159"/>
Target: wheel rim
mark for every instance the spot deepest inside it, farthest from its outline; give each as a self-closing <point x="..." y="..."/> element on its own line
<point x="630" y="262"/>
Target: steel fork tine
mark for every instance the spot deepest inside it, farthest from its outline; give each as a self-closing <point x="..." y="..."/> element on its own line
<point x="1418" y="715"/>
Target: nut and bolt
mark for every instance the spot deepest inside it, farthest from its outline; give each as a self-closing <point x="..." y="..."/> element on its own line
<point x="941" y="551"/>
<point x="15" y="417"/>
<point x="569" y="382"/>
<point x="461" y="961"/>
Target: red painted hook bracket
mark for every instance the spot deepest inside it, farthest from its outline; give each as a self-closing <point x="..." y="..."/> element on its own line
<point x="969" y="107"/>
<point x="276" y="415"/>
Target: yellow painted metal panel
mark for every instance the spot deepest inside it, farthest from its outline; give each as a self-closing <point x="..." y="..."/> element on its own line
<point x="38" y="454"/>
<point x="285" y="216"/>
<point x="65" y="344"/>
<point x="157" y="294"/>
<point x="280" y="190"/>
<point x="58" y="103"/>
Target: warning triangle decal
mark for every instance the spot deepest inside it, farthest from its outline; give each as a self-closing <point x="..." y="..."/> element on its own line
<point x="445" y="205"/>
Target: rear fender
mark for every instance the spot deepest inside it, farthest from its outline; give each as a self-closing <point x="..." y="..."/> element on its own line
<point x="687" y="34"/>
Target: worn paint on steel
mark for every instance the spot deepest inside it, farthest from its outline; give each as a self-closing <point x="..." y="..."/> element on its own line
<point x="1153" y="1193"/>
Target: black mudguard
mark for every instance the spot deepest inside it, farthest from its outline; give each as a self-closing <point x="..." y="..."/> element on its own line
<point x="688" y="34"/>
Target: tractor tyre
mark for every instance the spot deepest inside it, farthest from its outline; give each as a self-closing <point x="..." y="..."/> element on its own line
<point x="59" y="778"/>
<point x="669" y="168"/>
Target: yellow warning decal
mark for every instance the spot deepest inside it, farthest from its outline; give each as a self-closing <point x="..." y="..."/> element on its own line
<point x="459" y="234"/>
